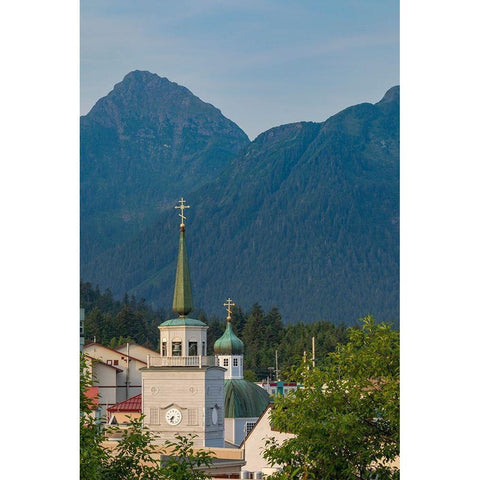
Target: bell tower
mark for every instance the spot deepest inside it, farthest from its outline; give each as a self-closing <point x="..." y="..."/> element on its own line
<point x="183" y="388"/>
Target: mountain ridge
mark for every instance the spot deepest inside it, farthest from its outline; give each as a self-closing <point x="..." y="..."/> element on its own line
<point x="335" y="182"/>
<point x="152" y="136"/>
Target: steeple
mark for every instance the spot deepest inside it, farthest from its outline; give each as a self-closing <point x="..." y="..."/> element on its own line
<point x="182" y="296"/>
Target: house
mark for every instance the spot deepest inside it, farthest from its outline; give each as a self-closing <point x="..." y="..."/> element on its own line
<point x="137" y="351"/>
<point x="104" y="378"/>
<point x="254" y="444"/>
<point x="124" y="412"/>
<point x="126" y="383"/>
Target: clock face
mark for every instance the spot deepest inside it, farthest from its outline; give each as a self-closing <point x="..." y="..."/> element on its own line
<point x="173" y="416"/>
<point x="214" y="416"/>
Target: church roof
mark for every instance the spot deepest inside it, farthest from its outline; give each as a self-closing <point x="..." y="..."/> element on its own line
<point x="132" y="404"/>
<point x="183" y="322"/>
<point x="228" y="343"/>
<point x="244" y="399"/>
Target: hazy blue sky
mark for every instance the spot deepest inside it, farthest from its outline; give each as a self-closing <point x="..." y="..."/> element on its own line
<point x="263" y="63"/>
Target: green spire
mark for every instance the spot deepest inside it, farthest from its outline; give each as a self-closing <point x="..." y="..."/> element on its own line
<point x="182" y="296"/>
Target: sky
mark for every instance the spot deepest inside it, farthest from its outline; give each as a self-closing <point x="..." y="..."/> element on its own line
<point x="263" y="63"/>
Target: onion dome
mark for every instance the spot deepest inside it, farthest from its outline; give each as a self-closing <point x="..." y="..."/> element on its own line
<point x="228" y="343"/>
<point x="244" y="399"/>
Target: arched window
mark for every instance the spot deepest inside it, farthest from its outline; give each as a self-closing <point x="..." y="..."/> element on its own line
<point x="177" y="349"/>
<point x="192" y="349"/>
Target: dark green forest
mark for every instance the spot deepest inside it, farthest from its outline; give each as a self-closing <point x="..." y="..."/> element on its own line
<point x="112" y="323"/>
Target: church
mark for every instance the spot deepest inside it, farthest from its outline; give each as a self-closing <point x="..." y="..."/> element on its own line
<point x="183" y="391"/>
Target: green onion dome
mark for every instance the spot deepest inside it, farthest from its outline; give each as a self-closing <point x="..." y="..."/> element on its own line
<point x="244" y="399"/>
<point x="228" y="343"/>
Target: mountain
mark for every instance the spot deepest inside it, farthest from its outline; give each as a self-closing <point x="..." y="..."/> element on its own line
<point x="145" y="144"/>
<point x="306" y="218"/>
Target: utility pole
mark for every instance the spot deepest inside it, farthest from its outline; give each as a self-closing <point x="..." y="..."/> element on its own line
<point x="313" y="352"/>
<point x="276" y="365"/>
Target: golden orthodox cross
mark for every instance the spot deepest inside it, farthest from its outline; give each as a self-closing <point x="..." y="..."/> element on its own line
<point x="182" y="207"/>
<point x="229" y="304"/>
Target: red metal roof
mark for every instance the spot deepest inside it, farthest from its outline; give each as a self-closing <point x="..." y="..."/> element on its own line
<point x="92" y="394"/>
<point x="133" y="404"/>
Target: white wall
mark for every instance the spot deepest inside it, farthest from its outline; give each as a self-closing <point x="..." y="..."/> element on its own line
<point x="254" y="445"/>
<point x="193" y="391"/>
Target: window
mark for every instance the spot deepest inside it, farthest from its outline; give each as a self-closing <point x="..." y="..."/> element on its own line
<point x="177" y="349"/>
<point x="109" y="362"/>
<point x="225" y="362"/>
<point x="164" y="348"/>
<point x="192" y="349"/>
<point x="235" y="362"/>
<point x="115" y="362"/>
<point x="204" y="349"/>
<point x="248" y="427"/>
<point x="192" y="416"/>
<point x="154" y="416"/>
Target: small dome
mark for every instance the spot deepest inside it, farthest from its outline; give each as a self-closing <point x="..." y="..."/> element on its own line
<point x="183" y="322"/>
<point x="244" y="399"/>
<point x="228" y="343"/>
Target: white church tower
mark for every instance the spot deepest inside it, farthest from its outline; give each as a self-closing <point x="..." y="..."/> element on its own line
<point x="182" y="388"/>
<point x="243" y="400"/>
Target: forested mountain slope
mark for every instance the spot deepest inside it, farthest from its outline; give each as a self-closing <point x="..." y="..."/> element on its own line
<point x="142" y="146"/>
<point x="305" y="218"/>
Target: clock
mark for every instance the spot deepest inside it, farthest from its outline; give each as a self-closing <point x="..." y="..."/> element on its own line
<point x="214" y="416"/>
<point x="173" y="416"/>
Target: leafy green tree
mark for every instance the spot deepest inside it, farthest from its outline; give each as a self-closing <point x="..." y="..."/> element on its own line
<point x="92" y="453"/>
<point x="134" y="456"/>
<point x="137" y="458"/>
<point x="183" y="463"/>
<point x="346" y="418"/>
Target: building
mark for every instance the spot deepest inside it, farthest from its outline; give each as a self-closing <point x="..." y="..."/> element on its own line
<point x="136" y="351"/>
<point x="278" y="387"/>
<point x="104" y="385"/>
<point x="182" y="388"/>
<point x="124" y="379"/>
<point x="244" y="401"/>
<point x="254" y="445"/>
<point x="124" y="412"/>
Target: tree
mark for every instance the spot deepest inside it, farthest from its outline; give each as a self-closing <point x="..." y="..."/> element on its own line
<point x="92" y="453"/>
<point x="346" y="417"/>
<point x="183" y="463"/>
